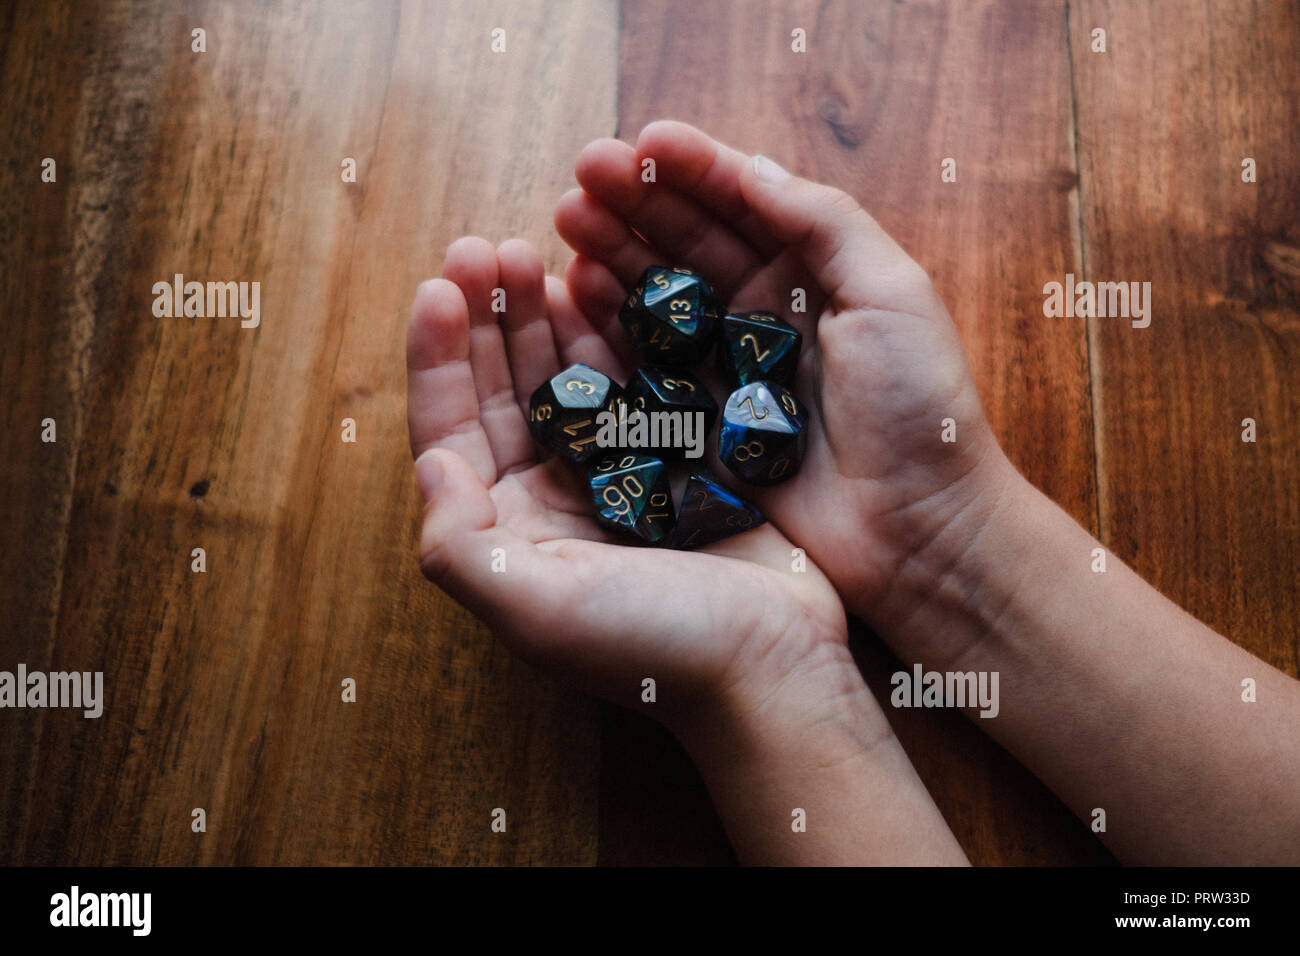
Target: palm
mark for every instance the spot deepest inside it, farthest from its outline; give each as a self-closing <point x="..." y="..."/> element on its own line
<point x="567" y="594"/>
<point x="881" y="363"/>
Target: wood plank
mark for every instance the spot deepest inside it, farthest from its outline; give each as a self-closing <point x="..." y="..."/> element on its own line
<point x="224" y="688"/>
<point x="1167" y="114"/>
<point x="885" y="92"/>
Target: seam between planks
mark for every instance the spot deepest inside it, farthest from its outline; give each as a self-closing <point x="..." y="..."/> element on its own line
<point x="1091" y="350"/>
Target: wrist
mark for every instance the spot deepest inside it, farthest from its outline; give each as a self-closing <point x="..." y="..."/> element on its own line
<point x="950" y="591"/>
<point x="809" y="699"/>
<point x="812" y="774"/>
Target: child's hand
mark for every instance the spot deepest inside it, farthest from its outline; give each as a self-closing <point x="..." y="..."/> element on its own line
<point x="749" y="657"/>
<point x="882" y="363"/>
<point x="727" y="620"/>
<point x="1121" y="701"/>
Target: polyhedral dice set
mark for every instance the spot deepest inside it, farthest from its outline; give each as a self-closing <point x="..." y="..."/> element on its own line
<point x="627" y="436"/>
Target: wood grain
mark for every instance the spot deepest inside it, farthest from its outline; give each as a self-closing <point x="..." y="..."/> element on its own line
<point x="1210" y="520"/>
<point x="224" y="688"/>
<point x="883" y="94"/>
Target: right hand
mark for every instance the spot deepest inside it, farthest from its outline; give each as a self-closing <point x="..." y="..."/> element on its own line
<point x="882" y="363"/>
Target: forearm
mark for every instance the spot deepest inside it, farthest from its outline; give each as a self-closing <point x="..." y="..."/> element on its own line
<point x="1114" y="696"/>
<point x="819" y="745"/>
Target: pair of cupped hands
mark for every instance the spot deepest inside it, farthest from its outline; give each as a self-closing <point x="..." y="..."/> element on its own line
<point x="735" y="628"/>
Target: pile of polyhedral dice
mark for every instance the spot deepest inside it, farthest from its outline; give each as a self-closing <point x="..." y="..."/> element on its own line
<point x="674" y="320"/>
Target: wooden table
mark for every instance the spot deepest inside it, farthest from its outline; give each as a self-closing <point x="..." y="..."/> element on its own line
<point x="224" y="687"/>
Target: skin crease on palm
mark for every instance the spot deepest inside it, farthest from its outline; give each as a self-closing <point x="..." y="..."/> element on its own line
<point x="881" y="366"/>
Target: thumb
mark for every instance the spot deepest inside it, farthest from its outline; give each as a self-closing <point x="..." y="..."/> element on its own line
<point x="457" y="508"/>
<point x="851" y="256"/>
<point x="524" y="593"/>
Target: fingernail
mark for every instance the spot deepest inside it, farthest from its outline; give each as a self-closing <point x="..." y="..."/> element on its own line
<point x="768" y="171"/>
<point x="428" y="473"/>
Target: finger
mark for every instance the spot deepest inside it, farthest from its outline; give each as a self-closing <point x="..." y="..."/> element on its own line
<point x="591" y="229"/>
<point x="530" y="347"/>
<point x="607" y="351"/>
<point x="847" y="251"/>
<point x="610" y="172"/>
<point x="707" y="172"/>
<point x="472" y="264"/>
<point x="596" y="291"/>
<point x="441" y="401"/>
